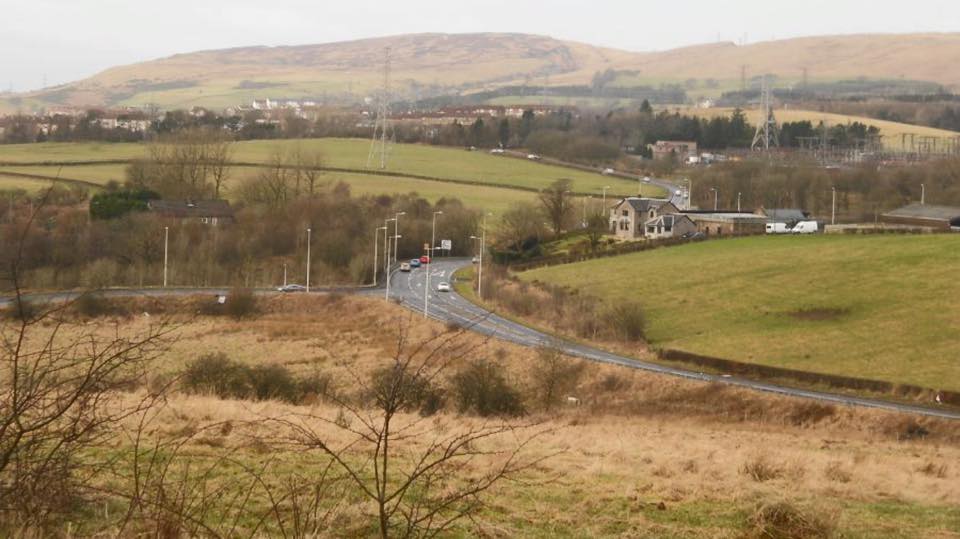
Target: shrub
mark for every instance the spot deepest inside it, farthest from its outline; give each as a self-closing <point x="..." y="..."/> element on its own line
<point x="810" y="412"/>
<point x="760" y="468"/>
<point x="481" y="388"/>
<point x="836" y="472"/>
<point x="94" y="306"/>
<point x="628" y="321"/>
<point x="555" y="377"/>
<point x="782" y="520"/>
<point x="417" y="392"/>
<point x="931" y="469"/>
<point x="241" y="303"/>
<point x="21" y="309"/>
<point x="273" y="382"/>
<point x="216" y="374"/>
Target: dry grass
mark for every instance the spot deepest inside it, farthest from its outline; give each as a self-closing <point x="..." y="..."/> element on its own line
<point x="679" y="457"/>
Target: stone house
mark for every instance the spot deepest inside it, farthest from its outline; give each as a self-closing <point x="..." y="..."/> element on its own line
<point x="628" y="217"/>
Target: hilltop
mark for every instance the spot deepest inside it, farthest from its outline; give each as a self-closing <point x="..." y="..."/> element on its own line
<point x="425" y="65"/>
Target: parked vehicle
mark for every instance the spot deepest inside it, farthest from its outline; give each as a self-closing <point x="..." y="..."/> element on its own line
<point x="608" y="171"/>
<point x="806" y="227"/>
<point x="533" y="157"/>
<point x="292" y="288"/>
<point x="694" y="236"/>
<point x="404" y="266"/>
<point x="424" y="259"/>
<point x="778" y="228"/>
<point x="415" y="263"/>
<point x="497" y="151"/>
<point x="443" y="287"/>
<point x="475" y="259"/>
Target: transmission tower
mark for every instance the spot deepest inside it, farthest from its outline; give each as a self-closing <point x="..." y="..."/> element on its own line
<point x="767" y="134"/>
<point x="382" y="130"/>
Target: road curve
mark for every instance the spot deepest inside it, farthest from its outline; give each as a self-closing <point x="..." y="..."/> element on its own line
<point x="408" y="288"/>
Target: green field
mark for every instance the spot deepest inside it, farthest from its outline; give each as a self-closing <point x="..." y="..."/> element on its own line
<point x="499" y="176"/>
<point x="878" y="307"/>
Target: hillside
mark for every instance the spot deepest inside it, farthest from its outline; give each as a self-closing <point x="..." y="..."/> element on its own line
<point x="426" y="65"/>
<point x="871" y="307"/>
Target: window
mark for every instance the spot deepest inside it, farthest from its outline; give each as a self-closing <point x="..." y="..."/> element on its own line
<point x="651" y="229"/>
<point x="653" y="213"/>
<point x="625" y="213"/>
<point x="719" y="231"/>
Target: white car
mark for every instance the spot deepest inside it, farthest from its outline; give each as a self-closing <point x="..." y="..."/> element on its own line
<point x="496" y="151"/>
<point x="608" y="171"/>
<point x="443" y="287"/>
<point x="292" y="288"/>
<point x="533" y="157"/>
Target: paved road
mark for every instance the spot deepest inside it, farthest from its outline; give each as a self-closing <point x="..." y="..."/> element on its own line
<point x="451" y="307"/>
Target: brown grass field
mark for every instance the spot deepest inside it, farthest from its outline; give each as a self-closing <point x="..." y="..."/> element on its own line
<point x="643" y="456"/>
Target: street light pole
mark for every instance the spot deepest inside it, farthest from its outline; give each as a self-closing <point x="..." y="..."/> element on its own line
<point x="396" y="231"/>
<point x="284" y="274"/>
<point x="376" y="244"/>
<point x="833" y="210"/>
<point x="738" y="202"/>
<point x="923" y="194"/>
<point x="166" y="244"/>
<point x="308" y="258"/>
<point x="386" y="245"/>
<point x="433" y="241"/>
<point x="386" y="295"/>
<point x="605" y="187"/>
<point x="715" y="197"/>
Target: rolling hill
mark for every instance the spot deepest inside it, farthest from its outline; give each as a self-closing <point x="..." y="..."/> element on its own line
<point x="437" y="64"/>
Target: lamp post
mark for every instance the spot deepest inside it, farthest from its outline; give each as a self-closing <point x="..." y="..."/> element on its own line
<point x="396" y="231"/>
<point x="715" y="197"/>
<point x="738" y="202"/>
<point x="689" y="191"/>
<point x="605" y="187"/>
<point x="923" y="194"/>
<point x="386" y="245"/>
<point x="386" y="295"/>
<point x="483" y="247"/>
<point x="284" y="274"/>
<point x="308" y="258"/>
<point x="833" y="207"/>
<point x="433" y="241"/>
<point x="166" y="244"/>
<point x="376" y="244"/>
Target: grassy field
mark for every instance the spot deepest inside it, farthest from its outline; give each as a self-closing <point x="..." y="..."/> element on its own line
<point x="880" y="307"/>
<point x="892" y="132"/>
<point x="644" y="456"/>
<point x="418" y="160"/>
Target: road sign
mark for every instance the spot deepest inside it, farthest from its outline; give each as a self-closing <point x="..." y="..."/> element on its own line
<point x="446" y="245"/>
<point x="426" y="246"/>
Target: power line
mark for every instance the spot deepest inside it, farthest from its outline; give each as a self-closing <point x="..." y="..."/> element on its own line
<point x="767" y="134"/>
<point x="382" y="129"/>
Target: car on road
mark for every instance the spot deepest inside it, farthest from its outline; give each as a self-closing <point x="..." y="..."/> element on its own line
<point x="496" y="151"/>
<point x="292" y="288"/>
<point x="404" y="266"/>
<point x="443" y="287"/>
<point x="475" y="259"/>
<point x="608" y="171"/>
<point x="533" y="157"/>
<point x="424" y="259"/>
<point x="414" y="262"/>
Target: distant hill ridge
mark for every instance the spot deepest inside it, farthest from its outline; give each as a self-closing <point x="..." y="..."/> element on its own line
<point x="424" y="65"/>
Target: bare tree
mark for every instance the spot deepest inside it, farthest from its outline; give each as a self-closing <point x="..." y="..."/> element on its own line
<point x="556" y="375"/>
<point x="556" y="206"/>
<point x="416" y="470"/>
<point x="519" y="223"/>
<point x="61" y="392"/>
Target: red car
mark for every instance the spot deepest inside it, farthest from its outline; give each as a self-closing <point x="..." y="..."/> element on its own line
<point x="424" y="259"/>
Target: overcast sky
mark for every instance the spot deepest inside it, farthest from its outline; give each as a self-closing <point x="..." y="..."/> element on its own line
<point x="64" y="40"/>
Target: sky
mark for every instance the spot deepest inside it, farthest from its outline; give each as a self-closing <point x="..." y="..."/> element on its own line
<point x="57" y="41"/>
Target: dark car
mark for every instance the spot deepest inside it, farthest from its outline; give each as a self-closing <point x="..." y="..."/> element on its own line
<point x="414" y="262"/>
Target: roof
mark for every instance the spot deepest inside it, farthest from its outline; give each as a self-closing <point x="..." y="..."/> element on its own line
<point x="643" y="204"/>
<point x="184" y="209"/>
<point x="726" y="217"/>
<point x="673" y="218"/>
<point x="785" y="214"/>
<point x="927" y="212"/>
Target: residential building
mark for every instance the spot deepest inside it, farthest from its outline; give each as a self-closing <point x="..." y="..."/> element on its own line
<point x="208" y="212"/>
<point x="679" y="150"/>
<point x="927" y="215"/>
<point x="669" y="226"/>
<point x="629" y="216"/>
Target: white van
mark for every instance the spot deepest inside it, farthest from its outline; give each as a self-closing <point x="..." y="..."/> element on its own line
<point x="806" y="227"/>
<point x="777" y="228"/>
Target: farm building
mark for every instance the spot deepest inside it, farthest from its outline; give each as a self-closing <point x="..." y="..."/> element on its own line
<point x="928" y="215"/>
<point x="628" y="217"/>
<point x="728" y="223"/>
<point x="208" y="212"/>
